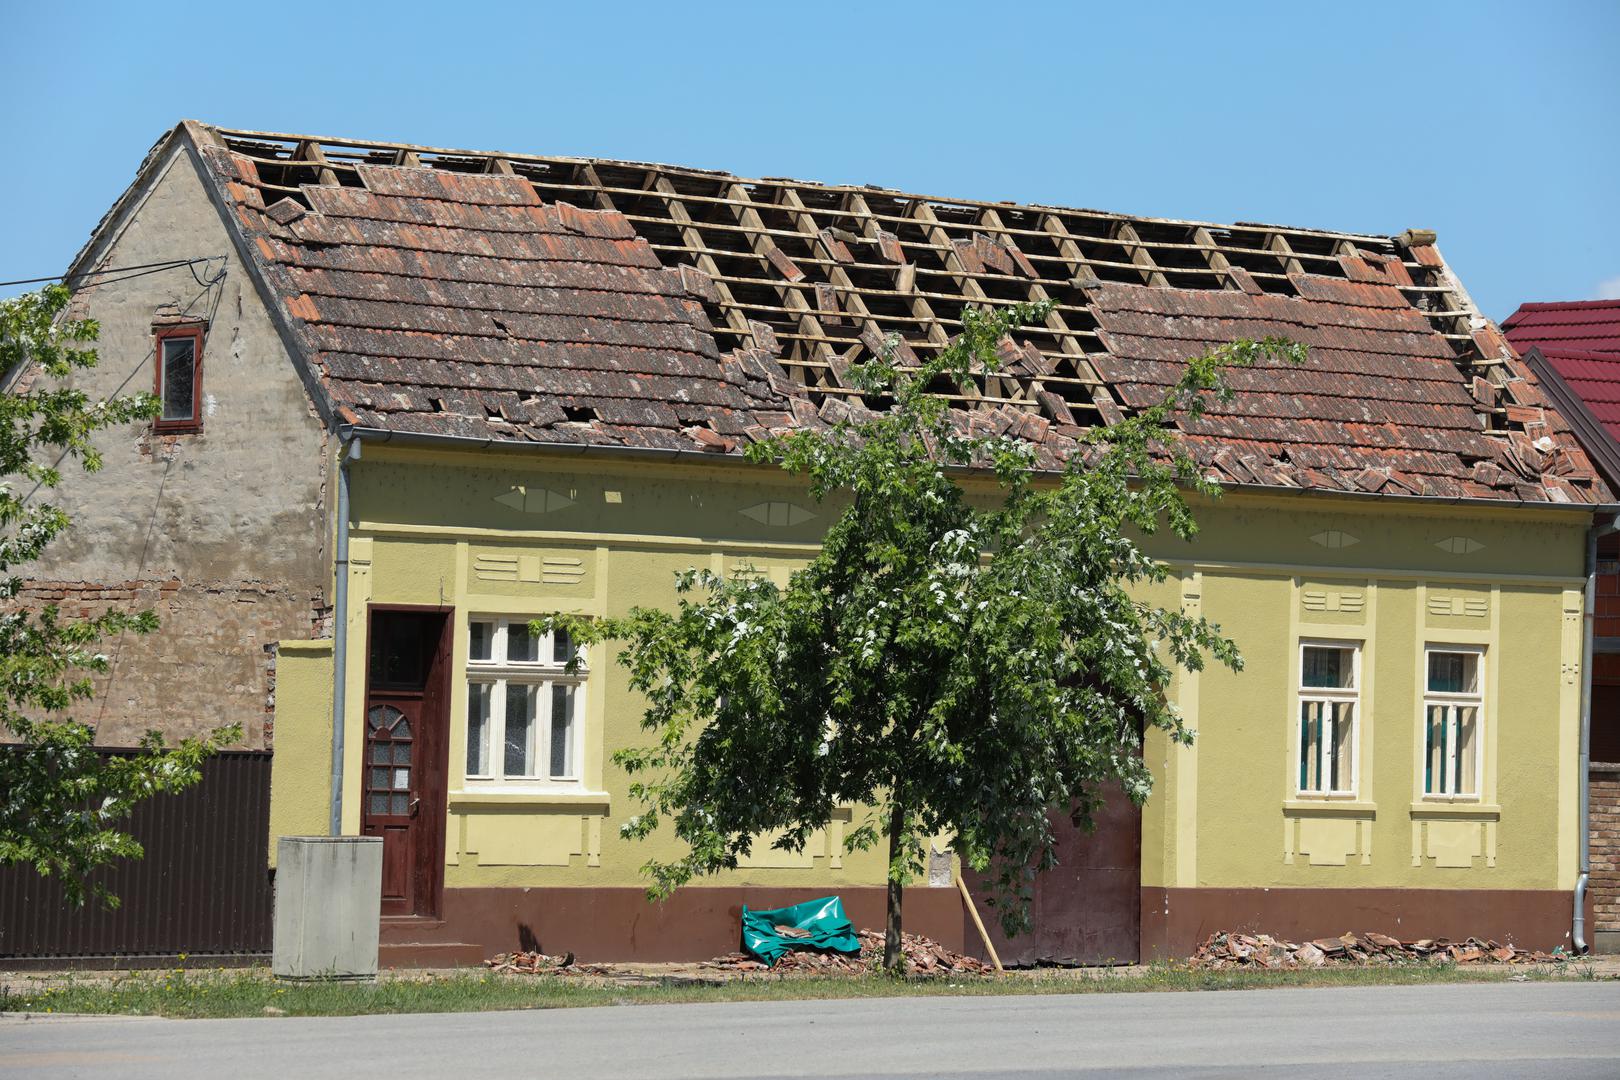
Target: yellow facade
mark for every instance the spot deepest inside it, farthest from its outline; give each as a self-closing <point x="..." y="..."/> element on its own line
<point x="514" y="534"/>
<point x="301" y="768"/>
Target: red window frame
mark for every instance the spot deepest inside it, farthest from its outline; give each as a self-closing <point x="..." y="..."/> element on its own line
<point x="194" y="421"/>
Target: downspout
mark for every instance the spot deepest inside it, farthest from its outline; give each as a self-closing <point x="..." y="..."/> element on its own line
<point x="340" y="631"/>
<point x="1584" y="770"/>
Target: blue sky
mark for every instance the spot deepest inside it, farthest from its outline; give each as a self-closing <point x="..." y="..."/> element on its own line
<point x="1497" y="125"/>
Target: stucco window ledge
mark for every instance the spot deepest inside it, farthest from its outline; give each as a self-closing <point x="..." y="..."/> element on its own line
<point x="595" y="801"/>
<point x="318" y="646"/>
<point x="1474" y="810"/>
<point x="1329" y="808"/>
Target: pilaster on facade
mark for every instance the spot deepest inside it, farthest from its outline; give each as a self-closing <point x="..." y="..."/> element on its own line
<point x="1185" y="757"/>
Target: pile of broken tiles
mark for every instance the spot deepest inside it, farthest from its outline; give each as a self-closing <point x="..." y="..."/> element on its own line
<point x="1226" y="950"/>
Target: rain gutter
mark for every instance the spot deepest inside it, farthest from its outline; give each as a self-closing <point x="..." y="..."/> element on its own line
<point x="349" y="448"/>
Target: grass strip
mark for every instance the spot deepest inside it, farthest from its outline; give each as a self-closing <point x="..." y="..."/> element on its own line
<point x="254" y="992"/>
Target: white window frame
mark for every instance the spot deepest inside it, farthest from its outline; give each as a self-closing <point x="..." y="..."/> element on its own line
<point x="498" y="672"/>
<point x="1328" y="695"/>
<point x="1451" y="702"/>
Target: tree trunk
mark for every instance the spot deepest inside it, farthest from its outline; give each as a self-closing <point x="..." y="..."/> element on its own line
<point x="894" y="959"/>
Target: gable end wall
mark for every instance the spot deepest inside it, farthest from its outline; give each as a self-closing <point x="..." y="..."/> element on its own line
<point x="224" y="532"/>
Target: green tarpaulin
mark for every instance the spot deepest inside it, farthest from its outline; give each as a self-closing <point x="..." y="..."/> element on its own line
<point x="827" y="929"/>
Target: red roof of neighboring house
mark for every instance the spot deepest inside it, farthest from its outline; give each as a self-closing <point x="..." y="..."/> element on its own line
<point x="1595" y="377"/>
<point x="1580" y="325"/>
<point x="1581" y="340"/>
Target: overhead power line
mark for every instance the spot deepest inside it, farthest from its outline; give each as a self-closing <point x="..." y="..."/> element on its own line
<point x="120" y="273"/>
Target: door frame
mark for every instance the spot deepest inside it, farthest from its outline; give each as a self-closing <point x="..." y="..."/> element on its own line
<point x="427" y="875"/>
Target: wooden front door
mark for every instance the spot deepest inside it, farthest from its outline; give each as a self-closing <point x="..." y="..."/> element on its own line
<point x="406" y="753"/>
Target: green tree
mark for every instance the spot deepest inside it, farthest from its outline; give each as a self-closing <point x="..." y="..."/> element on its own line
<point x="963" y="656"/>
<point x="61" y="802"/>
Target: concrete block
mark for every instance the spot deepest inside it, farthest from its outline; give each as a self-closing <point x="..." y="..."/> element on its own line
<point x="328" y="907"/>
<point x="940" y="872"/>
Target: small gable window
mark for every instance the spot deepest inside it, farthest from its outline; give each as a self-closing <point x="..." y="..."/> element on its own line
<point x="178" y="353"/>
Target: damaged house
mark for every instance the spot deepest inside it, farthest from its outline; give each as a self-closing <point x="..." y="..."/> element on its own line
<point x="415" y="397"/>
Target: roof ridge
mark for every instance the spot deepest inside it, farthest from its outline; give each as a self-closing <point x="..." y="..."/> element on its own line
<point x="722" y="174"/>
<point x="1567" y="305"/>
<point x="1579" y="354"/>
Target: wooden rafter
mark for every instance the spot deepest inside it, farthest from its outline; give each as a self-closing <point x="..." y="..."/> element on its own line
<point x="809" y="326"/>
<point x="310" y="151"/>
<point x="734" y="315"/>
<point x="1141" y="258"/>
<point x="1279" y="245"/>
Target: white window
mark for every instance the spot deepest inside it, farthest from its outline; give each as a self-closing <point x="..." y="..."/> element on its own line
<point x="1329" y="704"/>
<point x="1453" y="707"/>
<point x="523" y="709"/>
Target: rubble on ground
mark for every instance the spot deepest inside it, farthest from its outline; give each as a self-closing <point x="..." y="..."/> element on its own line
<point x="1227" y="950"/>
<point x="537" y="963"/>
<point x="924" y="956"/>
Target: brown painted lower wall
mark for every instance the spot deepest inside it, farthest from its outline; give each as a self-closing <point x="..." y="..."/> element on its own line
<point x="1176" y="921"/>
<point x="621" y="924"/>
<point x="698" y="923"/>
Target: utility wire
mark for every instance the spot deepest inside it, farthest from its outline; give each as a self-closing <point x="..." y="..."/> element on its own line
<point x="224" y="265"/>
<point x="168" y="264"/>
<point x="143" y="268"/>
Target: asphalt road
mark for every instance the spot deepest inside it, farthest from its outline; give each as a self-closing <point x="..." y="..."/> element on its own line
<point x="1568" y="1031"/>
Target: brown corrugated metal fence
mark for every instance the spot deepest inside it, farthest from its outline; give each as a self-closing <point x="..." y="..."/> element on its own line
<point x="202" y="889"/>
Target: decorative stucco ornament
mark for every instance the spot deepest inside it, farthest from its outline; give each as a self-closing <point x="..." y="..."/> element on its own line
<point x="1334" y="539"/>
<point x="777" y="514"/>
<point x="534" y="500"/>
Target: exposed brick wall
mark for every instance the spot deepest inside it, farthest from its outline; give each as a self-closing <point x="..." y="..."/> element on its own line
<point x="1604" y="884"/>
<point x="211" y="661"/>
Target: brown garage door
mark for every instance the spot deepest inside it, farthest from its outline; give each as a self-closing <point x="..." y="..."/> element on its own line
<point x="1088" y="909"/>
